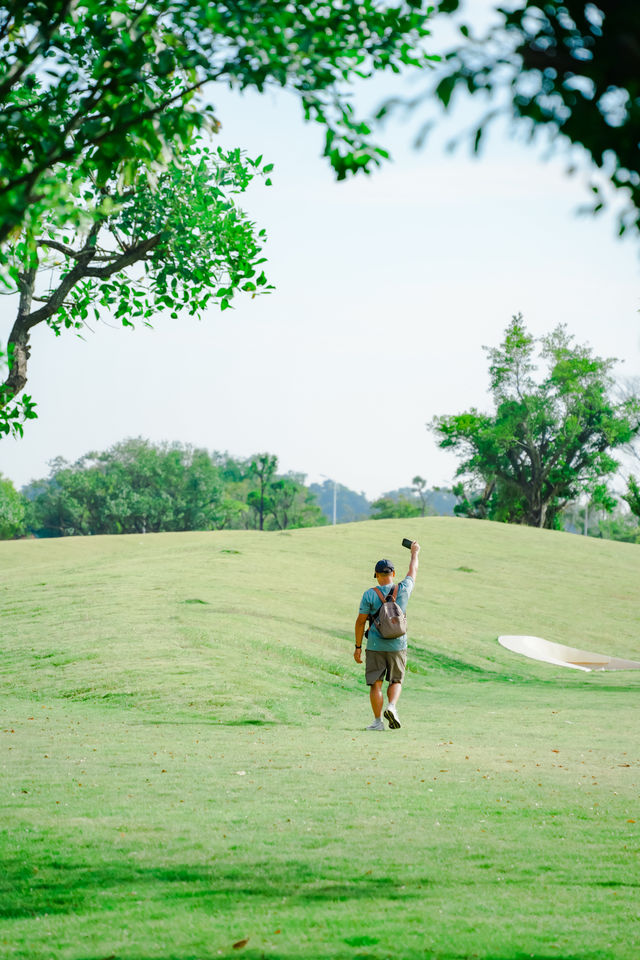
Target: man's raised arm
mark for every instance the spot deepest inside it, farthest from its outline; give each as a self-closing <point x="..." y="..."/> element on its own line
<point x="413" y="564"/>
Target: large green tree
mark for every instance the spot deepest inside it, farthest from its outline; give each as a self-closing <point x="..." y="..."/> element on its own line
<point x="399" y="507"/>
<point x="134" y="487"/>
<point x="549" y="439"/>
<point x="632" y="496"/>
<point x="262" y="470"/>
<point x="140" y="487"/>
<point x="12" y="510"/>
<point x="278" y="501"/>
<point x="567" y="69"/>
<point x="292" y="505"/>
<point x="100" y="166"/>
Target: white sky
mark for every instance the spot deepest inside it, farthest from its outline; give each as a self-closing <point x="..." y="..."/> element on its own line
<point x="387" y="288"/>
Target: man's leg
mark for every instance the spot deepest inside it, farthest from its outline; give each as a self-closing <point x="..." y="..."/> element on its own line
<point x="394" y="690"/>
<point x="391" y="713"/>
<point x="377" y="699"/>
<point x="393" y="693"/>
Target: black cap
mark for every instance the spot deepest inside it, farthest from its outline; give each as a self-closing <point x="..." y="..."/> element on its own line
<point x="384" y="566"/>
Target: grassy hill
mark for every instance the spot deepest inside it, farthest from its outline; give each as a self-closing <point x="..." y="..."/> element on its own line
<point x="185" y="765"/>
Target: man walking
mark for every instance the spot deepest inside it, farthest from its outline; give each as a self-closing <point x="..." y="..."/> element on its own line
<point x="385" y="659"/>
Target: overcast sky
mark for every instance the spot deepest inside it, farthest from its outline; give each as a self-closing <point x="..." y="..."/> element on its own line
<point x="387" y="288"/>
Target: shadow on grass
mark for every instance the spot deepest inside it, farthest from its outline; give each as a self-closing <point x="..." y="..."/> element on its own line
<point x="29" y="888"/>
<point x="441" y="662"/>
<point x="429" y="662"/>
<point x="268" y="954"/>
<point x="525" y="956"/>
<point x="516" y="956"/>
<point x="31" y="885"/>
<point x="206" y="722"/>
<point x="381" y="954"/>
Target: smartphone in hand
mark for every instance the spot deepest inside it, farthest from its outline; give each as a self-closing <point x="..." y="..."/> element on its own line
<point x="407" y="543"/>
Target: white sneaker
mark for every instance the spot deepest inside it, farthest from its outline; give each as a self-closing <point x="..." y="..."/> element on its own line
<point x="392" y="717"/>
<point x="376" y="725"/>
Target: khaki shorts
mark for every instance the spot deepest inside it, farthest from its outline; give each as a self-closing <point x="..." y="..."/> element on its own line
<point x="387" y="665"/>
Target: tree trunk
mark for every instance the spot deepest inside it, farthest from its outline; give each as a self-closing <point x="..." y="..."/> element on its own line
<point x="537" y="513"/>
<point x="18" y="345"/>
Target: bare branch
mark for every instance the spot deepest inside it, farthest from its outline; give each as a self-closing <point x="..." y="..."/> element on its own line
<point x="19" y="337"/>
<point x="46" y="300"/>
<point x="70" y="252"/>
<point x="83" y="269"/>
<point x="68" y="281"/>
<point x="139" y="252"/>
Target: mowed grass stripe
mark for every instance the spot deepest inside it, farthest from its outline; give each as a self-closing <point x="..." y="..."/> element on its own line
<point x="171" y="788"/>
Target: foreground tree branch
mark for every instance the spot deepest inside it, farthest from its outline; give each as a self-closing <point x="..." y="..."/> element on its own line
<point x="100" y="123"/>
<point x="189" y="244"/>
<point x="126" y="81"/>
<point x="565" y="68"/>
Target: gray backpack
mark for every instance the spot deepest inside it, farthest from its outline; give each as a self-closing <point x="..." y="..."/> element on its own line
<point x="390" y="621"/>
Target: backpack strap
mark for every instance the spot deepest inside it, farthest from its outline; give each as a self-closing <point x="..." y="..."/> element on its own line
<point x="380" y="594"/>
<point x="372" y="616"/>
<point x="392" y="595"/>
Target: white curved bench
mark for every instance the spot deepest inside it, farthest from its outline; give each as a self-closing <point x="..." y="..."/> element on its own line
<point x="562" y="656"/>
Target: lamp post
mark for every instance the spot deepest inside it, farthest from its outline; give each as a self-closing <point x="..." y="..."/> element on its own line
<point x="335" y="496"/>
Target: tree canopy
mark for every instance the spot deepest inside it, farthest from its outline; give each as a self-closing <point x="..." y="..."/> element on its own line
<point x="12" y="510"/>
<point x="569" y="68"/>
<point x="549" y="439"/>
<point x="632" y="495"/>
<point x="399" y="507"/>
<point x="140" y="487"/>
<point x="91" y="88"/>
<point x="104" y="159"/>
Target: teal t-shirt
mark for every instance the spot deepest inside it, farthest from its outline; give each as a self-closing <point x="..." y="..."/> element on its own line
<point x="370" y="603"/>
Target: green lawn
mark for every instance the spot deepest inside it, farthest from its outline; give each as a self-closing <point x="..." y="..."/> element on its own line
<point x="185" y="766"/>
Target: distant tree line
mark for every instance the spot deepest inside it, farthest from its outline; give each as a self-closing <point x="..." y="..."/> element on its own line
<point x="414" y="501"/>
<point x="350" y="506"/>
<point x="140" y="487"/>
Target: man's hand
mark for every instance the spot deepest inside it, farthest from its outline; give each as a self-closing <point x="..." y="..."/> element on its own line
<point x="413" y="564"/>
<point x="361" y="623"/>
